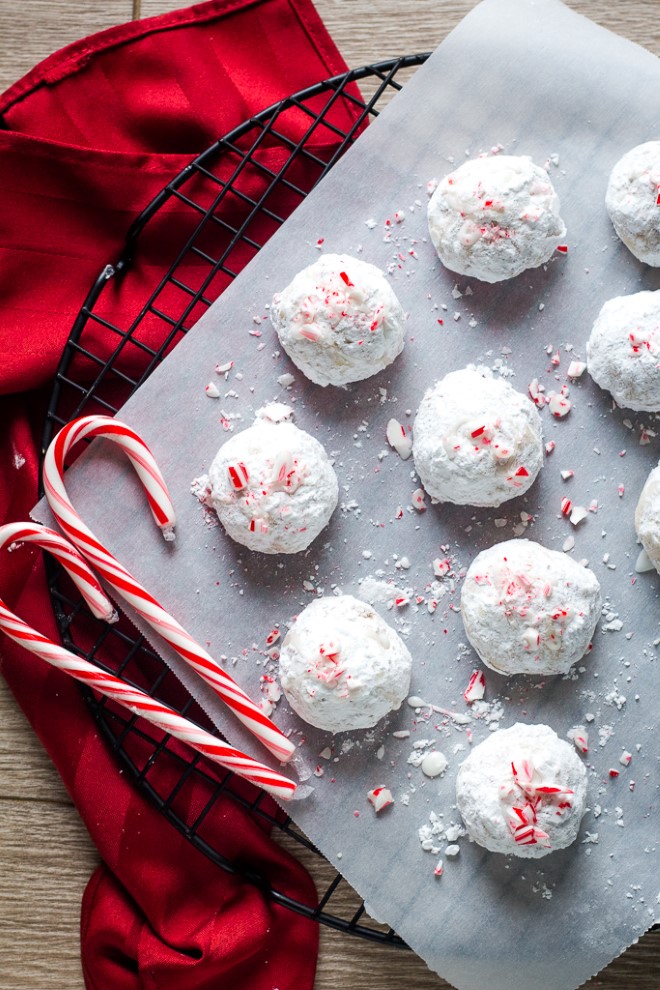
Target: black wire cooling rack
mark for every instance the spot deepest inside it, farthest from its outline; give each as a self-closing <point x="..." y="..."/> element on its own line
<point x="217" y="214"/>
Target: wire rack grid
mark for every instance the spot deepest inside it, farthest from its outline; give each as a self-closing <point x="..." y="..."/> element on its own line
<point x="214" y="215"/>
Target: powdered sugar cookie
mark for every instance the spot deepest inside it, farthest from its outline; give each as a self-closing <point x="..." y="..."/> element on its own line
<point x="272" y="485"/>
<point x="529" y="610"/>
<point x="476" y="441"/>
<point x="647" y="517"/>
<point x="632" y="201"/>
<point x="493" y="218"/>
<point x="623" y="351"/>
<point x="339" y="320"/>
<point x="342" y="667"/>
<point x="522" y="791"/>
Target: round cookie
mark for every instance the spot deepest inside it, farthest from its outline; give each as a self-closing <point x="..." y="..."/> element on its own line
<point x="632" y="201"/>
<point x="272" y="485"/>
<point x="529" y="610"/>
<point x="647" y="517"/>
<point x="522" y="791"/>
<point x="342" y="667"/>
<point x="476" y="441"/>
<point x="494" y="217"/>
<point x="623" y="351"/>
<point x="339" y="320"/>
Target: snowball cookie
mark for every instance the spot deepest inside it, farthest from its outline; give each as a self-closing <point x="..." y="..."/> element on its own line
<point x="522" y="791"/>
<point x="342" y="667"/>
<point x="272" y="485"/>
<point x="529" y="610"/>
<point x="647" y="517"/>
<point x="339" y="320"/>
<point x="623" y="351"/>
<point x="632" y="201"/>
<point x="494" y="217"/>
<point x="476" y="441"/>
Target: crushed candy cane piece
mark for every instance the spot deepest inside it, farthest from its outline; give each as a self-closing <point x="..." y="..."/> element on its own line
<point x="566" y="506"/>
<point x="549" y="447"/>
<point x="625" y="758"/>
<point x="441" y="567"/>
<point x="536" y="392"/>
<point x="212" y="391"/>
<point x="578" y="514"/>
<point x="621" y="490"/>
<point x="560" y="405"/>
<point x="438" y="869"/>
<point x="224" y="369"/>
<point x="272" y="637"/>
<point x="380" y="798"/>
<point x="568" y="544"/>
<point x="580" y="738"/>
<point x="417" y="498"/>
<point x="576" y="369"/>
<point x="566" y="474"/>
<point x="238" y="476"/>
<point x="398" y="439"/>
<point x="613" y="773"/>
<point x="476" y="687"/>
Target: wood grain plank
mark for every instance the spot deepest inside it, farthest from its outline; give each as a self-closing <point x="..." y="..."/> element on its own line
<point x="32" y="29"/>
<point x="45" y="853"/>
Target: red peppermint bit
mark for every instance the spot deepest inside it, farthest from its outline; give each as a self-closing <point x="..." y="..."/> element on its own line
<point x="562" y="248"/>
<point x="621" y="490"/>
<point x="441" y="567"/>
<point x="613" y="772"/>
<point x="478" y="432"/>
<point x="549" y="447"/>
<point x="657" y="202"/>
<point x="380" y="798"/>
<point x="345" y="279"/>
<point x="238" y="476"/>
<point x="580" y="743"/>
<point x="330" y="651"/>
<point x="556" y="358"/>
<point x="417" y="499"/>
<point x="272" y="637"/>
<point x="476" y="687"/>
<point x="566" y="506"/>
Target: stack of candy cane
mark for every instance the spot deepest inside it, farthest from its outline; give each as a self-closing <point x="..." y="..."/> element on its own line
<point x="144" y="604"/>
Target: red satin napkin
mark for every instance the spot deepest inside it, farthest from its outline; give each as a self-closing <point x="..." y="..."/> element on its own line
<point x="86" y="140"/>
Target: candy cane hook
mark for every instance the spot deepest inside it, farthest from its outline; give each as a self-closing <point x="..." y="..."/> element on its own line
<point x="123" y="581"/>
<point x="129" y="697"/>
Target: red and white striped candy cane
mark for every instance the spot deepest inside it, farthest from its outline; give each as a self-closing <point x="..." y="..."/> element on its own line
<point x="68" y="556"/>
<point x="123" y="581"/>
<point x="136" y="701"/>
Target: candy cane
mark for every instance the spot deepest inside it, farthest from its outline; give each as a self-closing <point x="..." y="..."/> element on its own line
<point x="68" y="556"/>
<point x="126" y="585"/>
<point x="129" y="697"/>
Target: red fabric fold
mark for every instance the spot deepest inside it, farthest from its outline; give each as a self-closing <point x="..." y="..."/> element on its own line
<point x="86" y="140"/>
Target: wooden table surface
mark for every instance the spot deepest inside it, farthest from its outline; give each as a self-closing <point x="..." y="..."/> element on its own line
<point x="45" y="854"/>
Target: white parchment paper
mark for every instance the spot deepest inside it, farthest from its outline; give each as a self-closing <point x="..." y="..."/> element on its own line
<point x="537" y="79"/>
